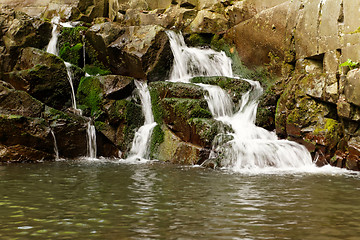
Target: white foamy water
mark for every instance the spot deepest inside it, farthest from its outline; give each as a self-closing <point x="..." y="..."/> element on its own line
<point x="189" y="62"/>
<point x="52" y="46"/>
<point x="141" y="142"/>
<point x="91" y="141"/>
<point x="252" y="148"/>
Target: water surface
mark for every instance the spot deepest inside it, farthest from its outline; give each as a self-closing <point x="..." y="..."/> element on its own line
<point x="111" y="200"/>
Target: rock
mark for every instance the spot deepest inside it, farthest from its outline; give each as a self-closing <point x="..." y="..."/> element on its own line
<point x="92" y="91"/>
<point x="26" y="131"/>
<point x="19" y="153"/>
<point x="352" y="87"/>
<point x="174" y="150"/>
<point x="117" y="87"/>
<point x="208" y="22"/>
<point x="43" y="76"/>
<point x="13" y="102"/>
<point x="239" y="12"/>
<point x="18" y="30"/>
<point x="141" y="52"/>
<point x="177" y="90"/>
<point x="185" y="112"/>
<point x="259" y="37"/>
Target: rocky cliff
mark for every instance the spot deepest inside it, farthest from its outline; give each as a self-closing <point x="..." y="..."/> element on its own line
<point x="309" y="48"/>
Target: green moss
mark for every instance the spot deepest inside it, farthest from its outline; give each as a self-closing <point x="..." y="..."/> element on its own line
<point x="99" y="125"/>
<point x="96" y="70"/>
<point x="157" y="109"/>
<point x="72" y="54"/>
<point x="90" y="94"/>
<point x="157" y="138"/>
<point x="199" y="39"/>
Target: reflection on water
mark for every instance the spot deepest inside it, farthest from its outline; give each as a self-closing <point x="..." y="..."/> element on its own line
<point x="111" y="200"/>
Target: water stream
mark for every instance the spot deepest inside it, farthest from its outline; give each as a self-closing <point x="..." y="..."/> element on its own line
<point x="251" y="147"/>
<point x="52" y="46"/>
<point x="140" y="144"/>
<point x="91" y="141"/>
<point x="56" y="149"/>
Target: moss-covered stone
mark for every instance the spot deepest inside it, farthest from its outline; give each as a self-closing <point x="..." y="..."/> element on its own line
<point x="90" y="95"/>
<point x="235" y="87"/>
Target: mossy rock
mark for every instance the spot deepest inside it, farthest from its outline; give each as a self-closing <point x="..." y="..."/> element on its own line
<point x="124" y="117"/>
<point x="72" y="54"/>
<point x="178" y="90"/>
<point x="90" y="95"/>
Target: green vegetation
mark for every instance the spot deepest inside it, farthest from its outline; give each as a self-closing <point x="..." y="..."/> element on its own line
<point x="71" y="54"/>
<point x="89" y="94"/>
<point x="350" y="64"/>
<point x="95" y="70"/>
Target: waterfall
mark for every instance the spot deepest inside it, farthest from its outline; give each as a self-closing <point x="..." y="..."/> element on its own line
<point x="190" y="62"/>
<point x="56" y="150"/>
<point x="141" y="142"/>
<point x="52" y="46"/>
<point x="251" y="147"/>
<point x="91" y="140"/>
<point x="70" y="78"/>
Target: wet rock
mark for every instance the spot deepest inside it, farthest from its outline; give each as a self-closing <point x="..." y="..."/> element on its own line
<point x="184" y="111"/>
<point x="13" y="102"/>
<point x="26" y="131"/>
<point x="141" y="52"/>
<point x="178" y="90"/>
<point x="20" y="153"/>
<point x="174" y="150"/>
<point x="117" y="87"/>
<point x="43" y="76"/>
<point x="18" y="30"/>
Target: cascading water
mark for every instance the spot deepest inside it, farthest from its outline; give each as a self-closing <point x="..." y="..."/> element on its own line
<point x="70" y="78"/>
<point x="140" y="144"/>
<point x="251" y="147"/>
<point x="56" y="150"/>
<point x="91" y="141"/>
<point x="190" y="62"/>
<point x="52" y="46"/>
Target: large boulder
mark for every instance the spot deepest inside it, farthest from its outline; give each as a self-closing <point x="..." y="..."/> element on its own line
<point x="18" y="30"/>
<point x="43" y="76"/>
<point x="141" y="52"/>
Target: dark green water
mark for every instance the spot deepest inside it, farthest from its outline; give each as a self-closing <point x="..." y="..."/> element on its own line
<point x="107" y="200"/>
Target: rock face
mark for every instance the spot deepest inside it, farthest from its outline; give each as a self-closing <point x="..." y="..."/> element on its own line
<point x="26" y="125"/>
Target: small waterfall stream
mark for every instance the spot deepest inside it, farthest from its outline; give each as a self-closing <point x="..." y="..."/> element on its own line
<point x="56" y="150"/>
<point x="141" y="142"/>
<point x="251" y="147"/>
<point x="52" y="48"/>
<point x="91" y="141"/>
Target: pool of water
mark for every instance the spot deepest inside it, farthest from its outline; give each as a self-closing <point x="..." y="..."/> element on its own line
<point x="113" y="200"/>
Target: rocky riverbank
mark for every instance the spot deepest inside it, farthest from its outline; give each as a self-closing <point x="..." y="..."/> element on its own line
<point x="304" y="53"/>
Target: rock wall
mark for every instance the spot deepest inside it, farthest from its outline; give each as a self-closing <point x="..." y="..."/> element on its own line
<point x="316" y="43"/>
